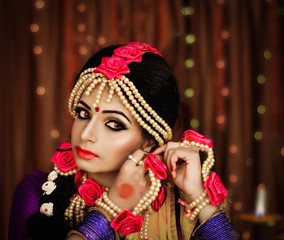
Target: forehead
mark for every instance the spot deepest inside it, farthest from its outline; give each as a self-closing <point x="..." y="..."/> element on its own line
<point x="115" y="103"/>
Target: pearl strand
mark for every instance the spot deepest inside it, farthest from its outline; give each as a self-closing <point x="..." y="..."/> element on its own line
<point x="65" y="174"/>
<point x="143" y="205"/>
<point x="89" y="80"/>
<point x="196" y="201"/>
<point x="208" y="163"/>
<point x="198" y="209"/>
<point x="76" y="207"/>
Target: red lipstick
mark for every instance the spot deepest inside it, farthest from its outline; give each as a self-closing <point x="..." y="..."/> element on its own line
<point x="85" y="154"/>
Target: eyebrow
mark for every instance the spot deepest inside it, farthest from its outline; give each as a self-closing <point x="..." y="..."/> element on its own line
<point x="85" y="104"/>
<point x="105" y="111"/>
<point x="116" y="112"/>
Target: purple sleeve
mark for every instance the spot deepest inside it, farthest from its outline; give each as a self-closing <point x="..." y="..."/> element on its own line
<point x="25" y="203"/>
<point x="217" y="228"/>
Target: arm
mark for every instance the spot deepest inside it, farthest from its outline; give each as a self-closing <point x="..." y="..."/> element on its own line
<point x="25" y="203"/>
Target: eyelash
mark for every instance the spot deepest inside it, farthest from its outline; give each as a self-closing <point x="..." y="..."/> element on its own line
<point x="79" y="110"/>
<point x="119" y="126"/>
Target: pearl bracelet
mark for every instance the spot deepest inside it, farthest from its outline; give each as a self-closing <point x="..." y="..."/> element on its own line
<point x="208" y="163"/>
<point x="143" y="205"/>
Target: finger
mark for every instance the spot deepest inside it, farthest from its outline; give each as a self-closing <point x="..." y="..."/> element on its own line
<point x="160" y="150"/>
<point x="136" y="157"/>
<point x="170" y="145"/>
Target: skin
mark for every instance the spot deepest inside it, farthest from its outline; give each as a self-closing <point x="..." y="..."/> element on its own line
<point x="93" y="131"/>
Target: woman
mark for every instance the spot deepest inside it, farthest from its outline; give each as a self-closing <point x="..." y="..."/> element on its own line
<point x="121" y="177"/>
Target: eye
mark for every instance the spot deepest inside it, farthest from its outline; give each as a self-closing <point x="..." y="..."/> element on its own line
<point x="82" y="113"/>
<point x="115" y="125"/>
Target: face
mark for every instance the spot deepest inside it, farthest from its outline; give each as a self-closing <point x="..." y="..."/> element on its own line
<point x="102" y="140"/>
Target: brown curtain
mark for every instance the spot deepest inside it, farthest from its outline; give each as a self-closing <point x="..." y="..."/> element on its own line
<point x="227" y="57"/>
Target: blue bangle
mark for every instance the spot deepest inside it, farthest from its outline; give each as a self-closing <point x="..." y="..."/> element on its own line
<point x="217" y="228"/>
<point x="96" y="227"/>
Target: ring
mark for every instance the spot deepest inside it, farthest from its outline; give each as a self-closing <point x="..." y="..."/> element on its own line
<point x="133" y="159"/>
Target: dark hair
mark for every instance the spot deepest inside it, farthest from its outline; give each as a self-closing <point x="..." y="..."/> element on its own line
<point x="154" y="80"/>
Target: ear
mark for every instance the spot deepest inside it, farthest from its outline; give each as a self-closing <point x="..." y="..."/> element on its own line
<point x="148" y="145"/>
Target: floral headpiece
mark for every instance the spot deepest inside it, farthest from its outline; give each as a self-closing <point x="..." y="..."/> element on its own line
<point x="111" y="72"/>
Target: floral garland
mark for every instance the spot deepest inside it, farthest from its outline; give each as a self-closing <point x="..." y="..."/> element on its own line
<point x="89" y="191"/>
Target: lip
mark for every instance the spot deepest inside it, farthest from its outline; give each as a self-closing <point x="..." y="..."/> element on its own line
<point x="85" y="154"/>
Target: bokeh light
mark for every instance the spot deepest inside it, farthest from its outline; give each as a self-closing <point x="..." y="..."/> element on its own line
<point x="245" y="235"/>
<point x="267" y="54"/>
<point x="261" y="109"/>
<point x="37" y="50"/>
<point x="189" y="92"/>
<point x="186" y="11"/>
<point x="40" y="90"/>
<point x="220" y="64"/>
<point x="34" y="27"/>
<point x="54" y="133"/>
<point x="194" y="123"/>
<point x="81" y="7"/>
<point x="39" y="4"/>
<point x="280" y="11"/>
<point x="282" y="151"/>
<point x="190" y="39"/>
<point x="81" y="27"/>
<point x="189" y="63"/>
<point x="225" y="34"/>
<point x="233" y="178"/>
<point x="220" y="119"/>
<point x="261" y="79"/>
<point x="249" y="162"/>
<point x="220" y="1"/>
<point x="101" y="40"/>
<point x="225" y="91"/>
<point x="233" y="148"/>
<point x="237" y="206"/>
<point x="83" y="50"/>
<point x="258" y="135"/>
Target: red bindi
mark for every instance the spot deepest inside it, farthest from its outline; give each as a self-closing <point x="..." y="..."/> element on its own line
<point x="97" y="109"/>
<point x="125" y="190"/>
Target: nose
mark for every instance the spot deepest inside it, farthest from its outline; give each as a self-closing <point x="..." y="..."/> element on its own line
<point x="88" y="133"/>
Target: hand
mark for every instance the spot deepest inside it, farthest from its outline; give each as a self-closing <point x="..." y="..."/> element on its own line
<point x="131" y="184"/>
<point x="185" y="167"/>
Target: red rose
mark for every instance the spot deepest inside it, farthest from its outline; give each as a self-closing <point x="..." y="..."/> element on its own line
<point x="215" y="189"/>
<point x="191" y="135"/>
<point x="158" y="168"/>
<point x="112" y="67"/>
<point x="126" y="223"/>
<point x="78" y="177"/>
<point x="63" y="158"/>
<point x="158" y="202"/>
<point x="130" y="54"/>
<point x="90" y="191"/>
<point x="143" y="47"/>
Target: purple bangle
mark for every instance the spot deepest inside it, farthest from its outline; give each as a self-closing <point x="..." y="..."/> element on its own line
<point x="96" y="227"/>
<point x="217" y="228"/>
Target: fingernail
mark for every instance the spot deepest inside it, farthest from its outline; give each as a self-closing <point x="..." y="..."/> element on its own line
<point x="172" y="167"/>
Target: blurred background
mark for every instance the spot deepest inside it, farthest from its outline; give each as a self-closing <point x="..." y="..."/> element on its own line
<point x="228" y="59"/>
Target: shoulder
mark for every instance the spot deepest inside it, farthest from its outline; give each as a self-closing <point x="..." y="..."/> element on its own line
<point x="25" y="202"/>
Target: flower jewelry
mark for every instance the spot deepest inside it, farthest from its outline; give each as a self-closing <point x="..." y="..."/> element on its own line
<point x="64" y="160"/>
<point x="112" y="72"/>
<point x="157" y="171"/>
<point x="213" y="185"/>
<point x="47" y="209"/>
<point x="48" y="187"/>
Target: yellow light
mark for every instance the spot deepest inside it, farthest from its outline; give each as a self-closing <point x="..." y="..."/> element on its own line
<point x="187" y="11"/>
<point x="40" y="90"/>
<point x="258" y="135"/>
<point x="194" y="123"/>
<point x="261" y="109"/>
<point x="190" y="39"/>
<point x="54" y="133"/>
<point x="267" y="54"/>
<point x="189" y="63"/>
<point x="37" y="50"/>
<point x="261" y="79"/>
<point x="189" y="92"/>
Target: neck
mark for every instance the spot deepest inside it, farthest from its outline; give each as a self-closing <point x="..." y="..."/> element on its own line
<point x="105" y="179"/>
